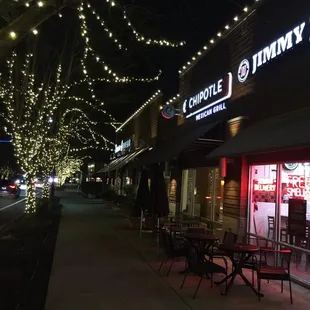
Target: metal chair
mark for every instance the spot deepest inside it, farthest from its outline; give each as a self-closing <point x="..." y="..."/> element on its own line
<point x="269" y="268"/>
<point x="229" y="237"/>
<point x="173" y="249"/>
<point x="201" y="268"/>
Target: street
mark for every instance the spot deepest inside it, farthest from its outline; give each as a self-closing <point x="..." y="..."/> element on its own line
<point x="11" y="208"/>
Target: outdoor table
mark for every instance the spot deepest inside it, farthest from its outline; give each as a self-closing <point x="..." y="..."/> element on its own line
<point x="246" y="251"/>
<point x="205" y="241"/>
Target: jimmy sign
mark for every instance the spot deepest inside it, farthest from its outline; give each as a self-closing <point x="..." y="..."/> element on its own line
<point x="274" y="49"/>
<point x="209" y="100"/>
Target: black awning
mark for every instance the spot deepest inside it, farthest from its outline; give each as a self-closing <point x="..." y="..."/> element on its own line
<point x="112" y="163"/>
<point x="131" y="157"/>
<point x="282" y="132"/>
<point x="120" y="162"/>
<point x="173" y="147"/>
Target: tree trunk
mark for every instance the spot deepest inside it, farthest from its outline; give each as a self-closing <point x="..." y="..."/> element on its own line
<point x="30" y="194"/>
<point x="46" y="189"/>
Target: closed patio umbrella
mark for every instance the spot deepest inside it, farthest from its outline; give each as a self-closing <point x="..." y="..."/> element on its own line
<point x="143" y="199"/>
<point x="159" y="195"/>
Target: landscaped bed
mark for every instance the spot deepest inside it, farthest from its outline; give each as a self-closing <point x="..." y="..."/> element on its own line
<point x="26" y="256"/>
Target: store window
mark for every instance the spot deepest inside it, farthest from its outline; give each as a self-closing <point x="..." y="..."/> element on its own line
<point x="263" y="204"/>
<point x="202" y="193"/>
<point x="279" y="210"/>
<point x="295" y="187"/>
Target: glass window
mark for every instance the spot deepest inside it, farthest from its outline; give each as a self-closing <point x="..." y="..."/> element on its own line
<point x="270" y="212"/>
<point x="263" y="187"/>
<point x="203" y="194"/>
<point x="295" y="184"/>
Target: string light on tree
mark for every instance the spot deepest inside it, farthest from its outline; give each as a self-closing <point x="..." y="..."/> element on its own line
<point x="13" y="35"/>
<point x="106" y="29"/>
<point x="141" y="38"/>
<point x="40" y="107"/>
<point x="88" y="50"/>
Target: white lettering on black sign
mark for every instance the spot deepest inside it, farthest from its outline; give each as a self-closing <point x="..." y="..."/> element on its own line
<point x="208" y="97"/>
<point x="276" y="48"/>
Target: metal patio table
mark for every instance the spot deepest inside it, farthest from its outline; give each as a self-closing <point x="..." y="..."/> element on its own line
<point x="246" y="251"/>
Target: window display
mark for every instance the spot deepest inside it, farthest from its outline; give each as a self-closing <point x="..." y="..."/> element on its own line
<point x="263" y="184"/>
<point x="279" y="209"/>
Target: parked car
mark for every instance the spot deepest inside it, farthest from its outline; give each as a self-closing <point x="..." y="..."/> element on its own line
<point x="9" y="189"/>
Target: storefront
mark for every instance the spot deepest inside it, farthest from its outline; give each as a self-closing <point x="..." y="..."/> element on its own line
<point x="202" y="194"/>
<point x="118" y="171"/>
<point x="254" y="84"/>
<point x="268" y="160"/>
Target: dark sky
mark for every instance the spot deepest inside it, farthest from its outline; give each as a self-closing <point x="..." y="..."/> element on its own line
<point x="193" y="21"/>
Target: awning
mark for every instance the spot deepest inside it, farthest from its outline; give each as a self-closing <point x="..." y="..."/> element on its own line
<point x="120" y="162"/>
<point x="173" y="147"/>
<point x="285" y="131"/>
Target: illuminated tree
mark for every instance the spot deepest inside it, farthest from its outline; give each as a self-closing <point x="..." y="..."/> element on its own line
<point x="5" y="172"/>
<point x="41" y="120"/>
<point x="22" y="17"/>
<point x="42" y="111"/>
<point x="68" y="166"/>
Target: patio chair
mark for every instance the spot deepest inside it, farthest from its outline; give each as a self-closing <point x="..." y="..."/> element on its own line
<point x="174" y="248"/>
<point x="269" y="268"/>
<point x="229" y="237"/>
<point x="201" y="268"/>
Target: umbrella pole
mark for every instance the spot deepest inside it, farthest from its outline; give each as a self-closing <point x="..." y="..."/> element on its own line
<point x="141" y="223"/>
<point x="157" y="237"/>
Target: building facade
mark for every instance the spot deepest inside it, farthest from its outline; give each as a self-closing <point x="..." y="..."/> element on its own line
<point x="238" y="154"/>
<point x="135" y="136"/>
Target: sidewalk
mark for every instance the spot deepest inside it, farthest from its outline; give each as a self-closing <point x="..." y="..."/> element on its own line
<point x="94" y="268"/>
<point x="99" y="264"/>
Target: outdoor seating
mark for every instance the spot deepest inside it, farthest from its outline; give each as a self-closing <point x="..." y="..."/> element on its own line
<point x="245" y="252"/>
<point x="201" y="268"/>
<point x="215" y="252"/>
<point x="269" y="268"/>
<point x="173" y="249"/>
<point x="196" y="230"/>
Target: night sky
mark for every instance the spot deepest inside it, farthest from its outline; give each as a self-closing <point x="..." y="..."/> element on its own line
<point x="193" y="21"/>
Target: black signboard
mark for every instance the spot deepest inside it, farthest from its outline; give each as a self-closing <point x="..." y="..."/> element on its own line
<point x="297" y="209"/>
<point x="210" y="99"/>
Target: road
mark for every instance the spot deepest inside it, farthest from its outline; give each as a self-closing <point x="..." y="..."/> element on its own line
<point x="11" y="208"/>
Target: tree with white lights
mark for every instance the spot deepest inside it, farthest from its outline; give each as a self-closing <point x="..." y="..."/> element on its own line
<point x="5" y="172"/>
<point x="67" y="167"/>
<point x="43" y="113"/>
<point x="43" y="119"/>
<point x="25" y="16"/>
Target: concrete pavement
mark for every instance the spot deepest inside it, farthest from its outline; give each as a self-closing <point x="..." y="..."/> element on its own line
<point x="98" y="264"/>
<point x="94" y="268"/>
